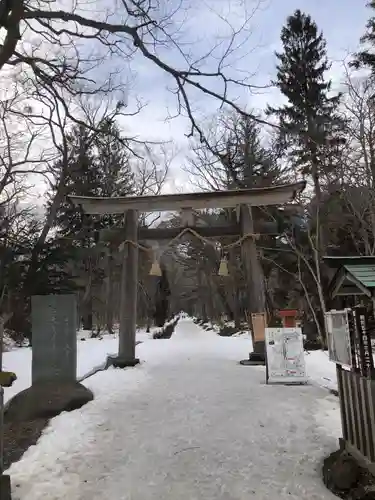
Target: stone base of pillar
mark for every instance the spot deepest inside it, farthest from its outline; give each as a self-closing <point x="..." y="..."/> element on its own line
<point x="249" y="362"/>
<point x="119" y="362"/>
<point x="5" y="488"/>
<point x="257" y="357"/>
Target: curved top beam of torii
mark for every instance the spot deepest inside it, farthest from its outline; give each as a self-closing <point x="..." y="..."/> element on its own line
<point x="274" y="195"/>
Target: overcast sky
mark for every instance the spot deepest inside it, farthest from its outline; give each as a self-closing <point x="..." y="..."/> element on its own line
<point x="342" y="22"/>
<point x="204" y="22"/>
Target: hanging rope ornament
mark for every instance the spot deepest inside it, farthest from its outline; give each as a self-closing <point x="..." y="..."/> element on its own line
<point x="193" y="233"/>
<point x="155" y="269"/>
<point x="223" y="268"/>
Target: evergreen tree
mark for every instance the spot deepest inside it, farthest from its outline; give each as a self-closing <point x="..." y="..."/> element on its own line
<point x="248" y="162"/>
<point x="81" y="179"/>
<point x="366" y="57"/>
<point x="309" y="120"/>
<point x="113" y="162"/>
<point x="98" y="166"/>
<point x="311" y="131"/>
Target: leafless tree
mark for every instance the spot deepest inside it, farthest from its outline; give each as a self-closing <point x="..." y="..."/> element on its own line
<point x="21" y="156"/>
<point x="219" y="162"/>
<point x="61" y="47"/>
<point x="151" y="169"/>
<point x="18" y="225"/>
<point x="358" y="170"/>
<point x="237" y="154"/>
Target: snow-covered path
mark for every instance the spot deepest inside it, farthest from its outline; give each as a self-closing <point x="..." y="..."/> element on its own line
<point x="189" y="423"/>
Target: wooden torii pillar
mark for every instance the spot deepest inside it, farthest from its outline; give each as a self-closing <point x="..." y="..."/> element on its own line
<point x="254" y="280"/>
<point x="131" y="206"/>
<point x="129" y="294"/>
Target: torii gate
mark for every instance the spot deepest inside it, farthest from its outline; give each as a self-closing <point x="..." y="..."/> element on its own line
<point x="130" y="206"/>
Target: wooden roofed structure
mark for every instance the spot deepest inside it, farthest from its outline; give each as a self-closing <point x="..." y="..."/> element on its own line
<point x="353" y="276"/>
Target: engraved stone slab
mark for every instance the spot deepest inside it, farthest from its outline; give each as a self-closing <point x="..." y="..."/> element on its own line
<point x="54" y="350"/>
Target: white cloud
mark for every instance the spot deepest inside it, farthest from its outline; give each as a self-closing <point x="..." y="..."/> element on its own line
<point x="200" y="25"/>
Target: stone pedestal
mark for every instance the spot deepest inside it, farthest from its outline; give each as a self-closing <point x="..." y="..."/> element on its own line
<point x="257" y="357"/>
<point x="121" y="362"/>
<point x="54" y="353"/>
<point x="5" y="490"/>
<point x="5" y="487"/>
<point x="259" y="352"/>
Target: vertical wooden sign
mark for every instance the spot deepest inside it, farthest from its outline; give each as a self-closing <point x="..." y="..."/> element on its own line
<point x="259" y="322"/>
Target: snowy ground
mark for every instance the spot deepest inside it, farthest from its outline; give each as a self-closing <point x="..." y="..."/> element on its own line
<point x="91" y="354"/>
<point x="320" y="369"/>
<point x="188" y="423"/>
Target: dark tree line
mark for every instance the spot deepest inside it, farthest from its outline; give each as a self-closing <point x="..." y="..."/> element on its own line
<point x="318" y="134"/>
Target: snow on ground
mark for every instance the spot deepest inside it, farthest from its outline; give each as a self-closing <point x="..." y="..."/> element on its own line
<point x="188" y="423"/>
<point x="320" y="370"/>
<point x="91" y="354"/>
<point x="8" y="342"/>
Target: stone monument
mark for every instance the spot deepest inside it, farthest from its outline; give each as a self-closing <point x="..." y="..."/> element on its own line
<point x="54" y="337"/>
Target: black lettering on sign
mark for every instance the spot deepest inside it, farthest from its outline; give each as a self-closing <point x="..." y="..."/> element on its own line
<point x="364" y="352"/>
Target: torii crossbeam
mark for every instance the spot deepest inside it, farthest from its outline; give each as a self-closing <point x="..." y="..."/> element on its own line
<point x="274" y="195"/>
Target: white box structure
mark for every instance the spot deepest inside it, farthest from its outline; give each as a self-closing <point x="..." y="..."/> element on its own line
<point x="285" y="356"/>
<point x="338" y="337"/>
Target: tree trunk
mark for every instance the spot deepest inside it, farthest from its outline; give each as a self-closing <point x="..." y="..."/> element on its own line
<point x="237" y="311"/>
<point x="34" y="262"/>
<point x="87" y="317"/>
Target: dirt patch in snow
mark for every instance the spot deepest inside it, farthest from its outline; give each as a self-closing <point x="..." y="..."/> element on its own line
<point x="19" y="436"/>
<point x="28" y="413"/>
<point x="346" y="479"/>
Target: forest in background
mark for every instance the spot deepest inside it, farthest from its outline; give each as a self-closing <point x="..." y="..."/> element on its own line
<point x="59" y="126"/>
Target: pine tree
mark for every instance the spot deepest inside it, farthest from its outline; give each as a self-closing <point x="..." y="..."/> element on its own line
<point x="98" y="166"/>
<point x="248" y="162"/>
<point x="311" y="129"/>
<point x="81" y="179"/>
<point x="366" y="57"/>
<point x="309" y="120"/>
<point x="113" y="162"/>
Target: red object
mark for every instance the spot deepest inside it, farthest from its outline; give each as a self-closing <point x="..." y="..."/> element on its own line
<point x="288" y="317"/>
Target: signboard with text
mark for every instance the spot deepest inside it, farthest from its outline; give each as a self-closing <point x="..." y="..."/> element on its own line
<point x="364" y="325"/>
<point x="54" y="352"/>
<point x="285" y="356"/>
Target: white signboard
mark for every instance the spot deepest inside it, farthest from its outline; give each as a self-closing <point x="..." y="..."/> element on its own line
<point x="338" y="337"/>
<point x="285" y="356"/>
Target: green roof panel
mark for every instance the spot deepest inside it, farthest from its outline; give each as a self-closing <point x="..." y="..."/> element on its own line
<point x="364" y="273"/>
<point x="335" y="262"/>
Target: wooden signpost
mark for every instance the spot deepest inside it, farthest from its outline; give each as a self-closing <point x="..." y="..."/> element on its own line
<point x="259" y="323"/>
